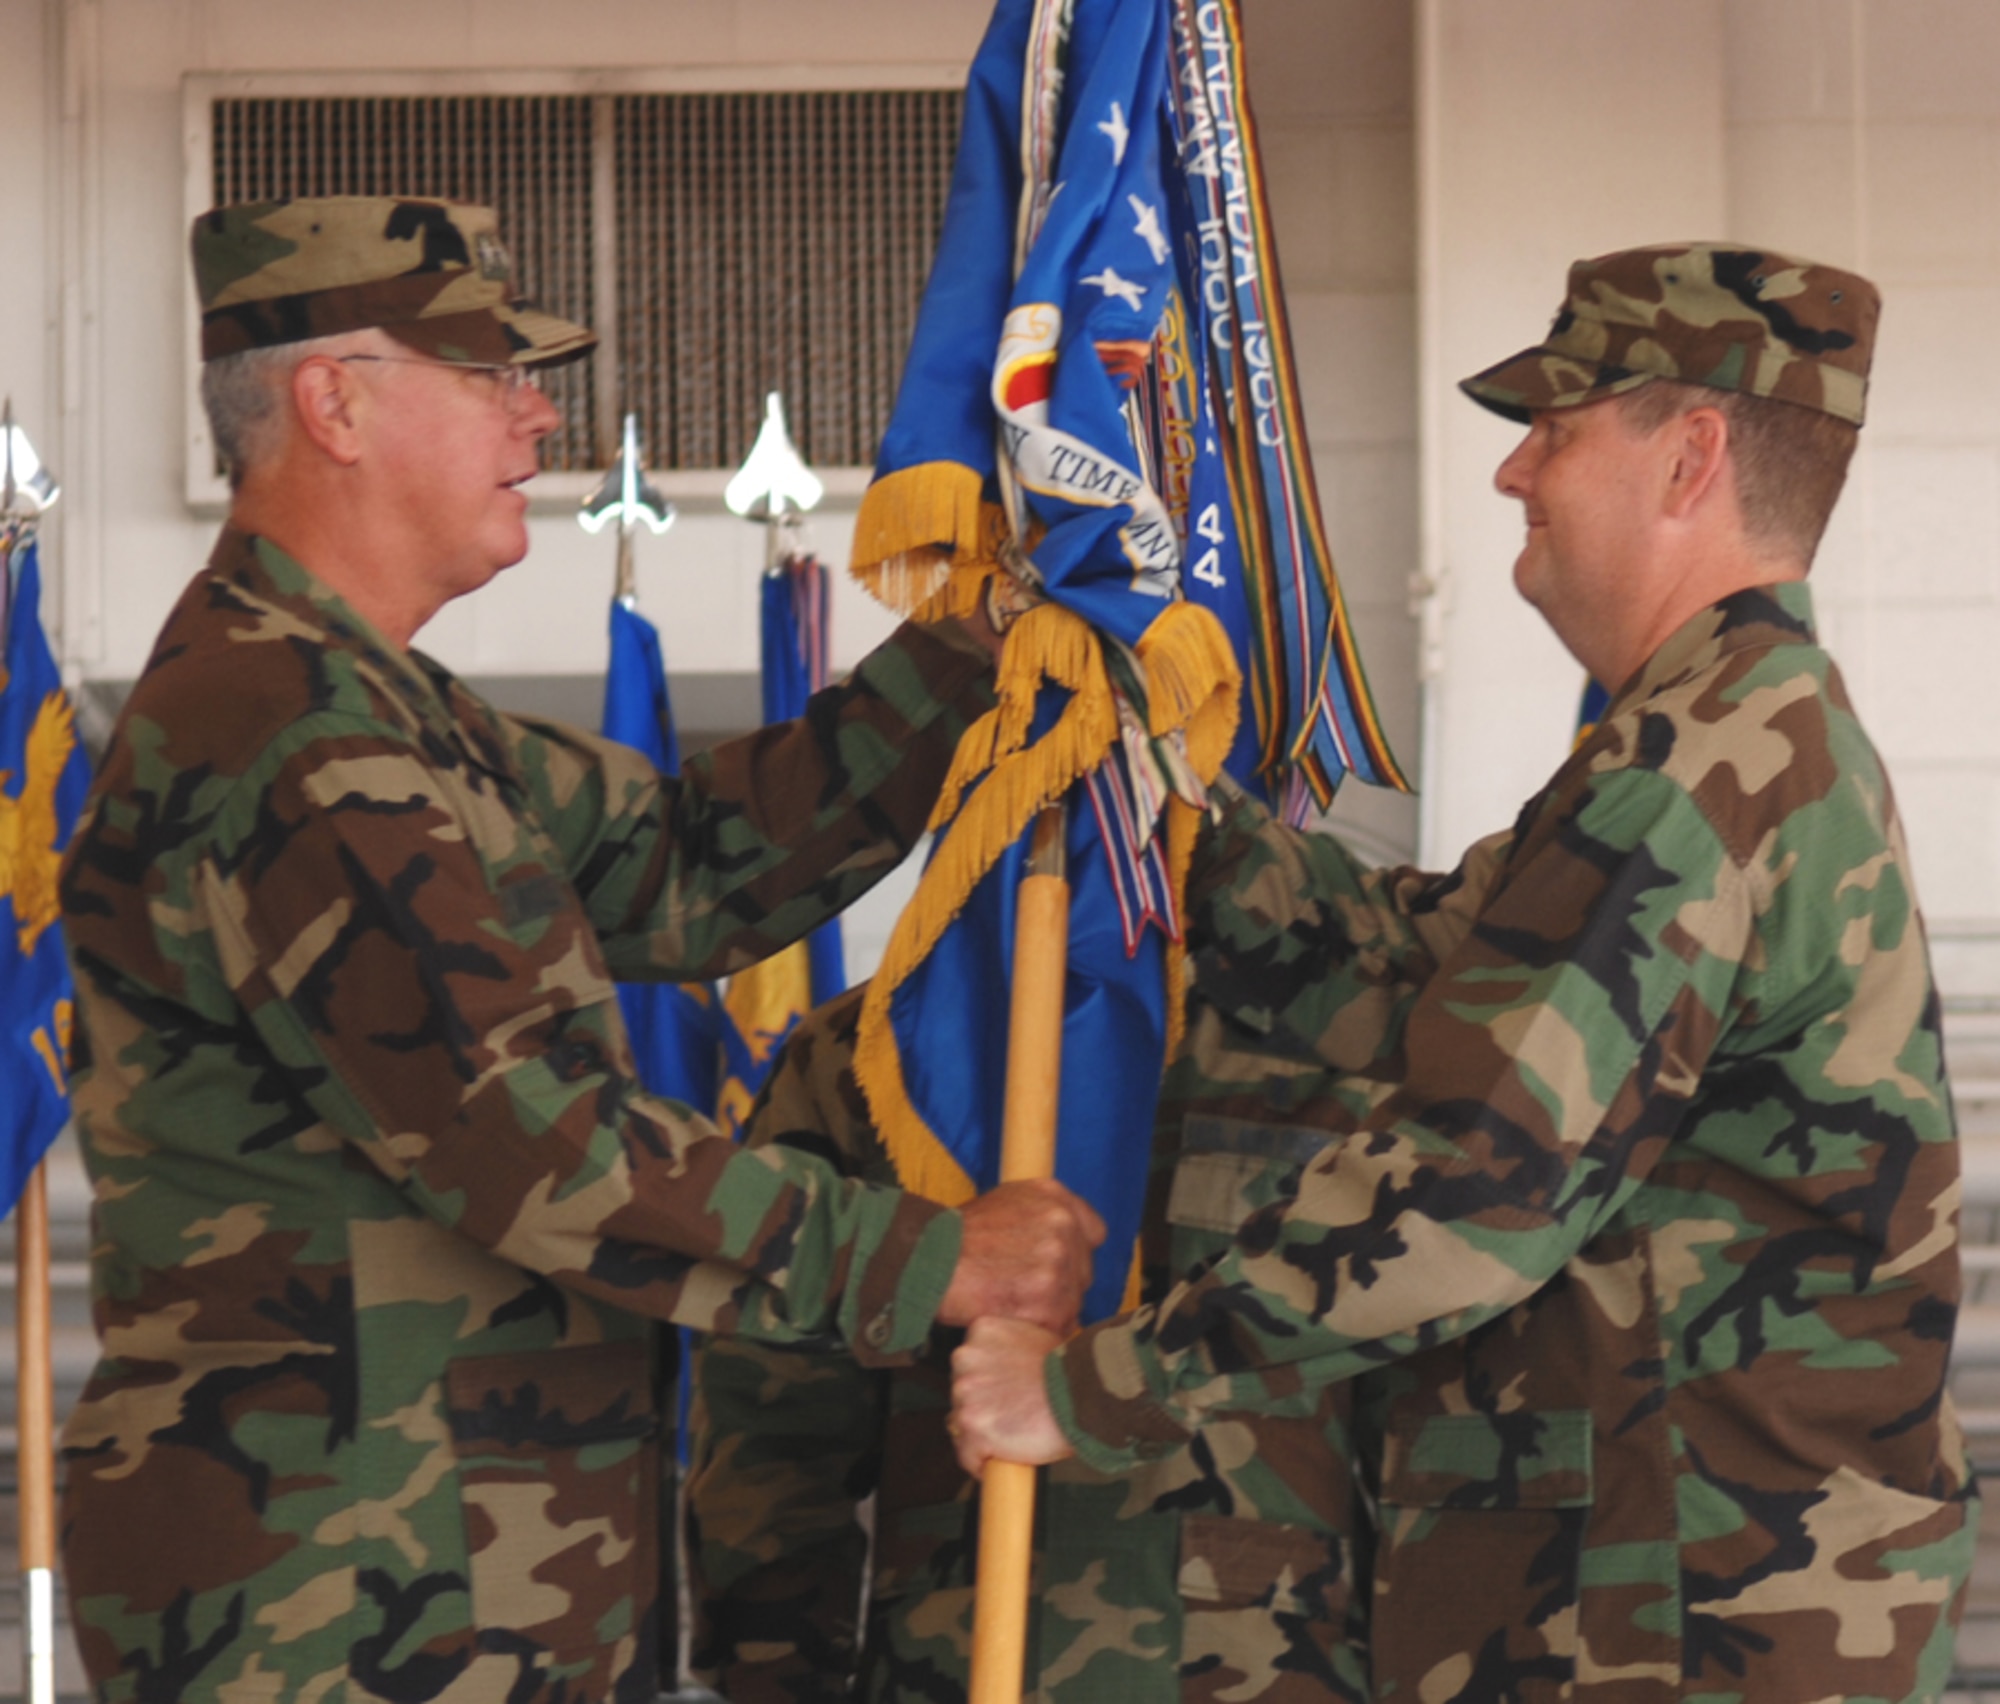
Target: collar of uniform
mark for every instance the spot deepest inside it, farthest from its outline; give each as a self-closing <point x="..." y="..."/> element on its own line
<point x="1758" y="616"/>
<point x="437" y="698"/>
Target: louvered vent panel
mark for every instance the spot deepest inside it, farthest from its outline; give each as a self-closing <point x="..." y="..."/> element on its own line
<point x="763" y="241"/>
<point x="774" y="241"/>
<point x="528" y="156"/>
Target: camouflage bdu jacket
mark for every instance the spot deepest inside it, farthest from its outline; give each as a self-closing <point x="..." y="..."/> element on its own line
<point x="1637" y="1265"/>
<point x="1220" y="1571"/>
<point x="1646" y="1233"/>
<point x="379" y="1205"/>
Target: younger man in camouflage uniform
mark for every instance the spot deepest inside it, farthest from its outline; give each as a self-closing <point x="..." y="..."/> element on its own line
<point x="1637" y="1259"/>
<point x="381" y="1211"/>
<point x="1644" y="1222"/>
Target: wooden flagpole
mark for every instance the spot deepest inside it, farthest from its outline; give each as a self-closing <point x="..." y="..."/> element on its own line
<point x="35" y="1440"/>
<point x="1027" y="1150"/>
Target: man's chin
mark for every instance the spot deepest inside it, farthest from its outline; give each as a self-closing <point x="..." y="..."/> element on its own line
<point x="512" y="551"/>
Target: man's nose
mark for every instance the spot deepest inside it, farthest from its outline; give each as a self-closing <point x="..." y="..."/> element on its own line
<point x="1511" y="477"/>
<point x="534" y="413"/>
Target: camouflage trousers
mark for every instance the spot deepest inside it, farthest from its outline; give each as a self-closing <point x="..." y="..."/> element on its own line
<point x="1222" y="1572"/>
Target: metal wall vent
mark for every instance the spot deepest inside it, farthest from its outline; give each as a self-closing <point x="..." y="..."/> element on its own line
<point x="725" y="244"/>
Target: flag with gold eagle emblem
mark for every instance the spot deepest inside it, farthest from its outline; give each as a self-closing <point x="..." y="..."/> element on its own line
<point x="44" y="775"/>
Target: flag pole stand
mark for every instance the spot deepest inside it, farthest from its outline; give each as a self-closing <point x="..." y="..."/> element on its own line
<point x="35" y="1453"/>
<point x="1027" y="1150"/>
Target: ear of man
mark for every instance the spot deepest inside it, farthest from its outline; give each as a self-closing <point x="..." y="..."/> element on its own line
<point x="328" y="407"/>
<point x="1699" y="472"/>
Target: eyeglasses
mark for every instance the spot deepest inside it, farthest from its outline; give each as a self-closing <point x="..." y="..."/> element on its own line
<point x="510" y="384"/>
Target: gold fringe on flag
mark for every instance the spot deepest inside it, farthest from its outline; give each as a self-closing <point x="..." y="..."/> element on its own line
<point x="1048" y="643"/>
<point x="926" y="534"/>
<point x="1192" y="686"/>
<point x="1193" y="682"/>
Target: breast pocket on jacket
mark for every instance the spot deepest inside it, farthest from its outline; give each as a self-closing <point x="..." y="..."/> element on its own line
<point x="1482" y="1524"/>
<point x="558" y="1463"/>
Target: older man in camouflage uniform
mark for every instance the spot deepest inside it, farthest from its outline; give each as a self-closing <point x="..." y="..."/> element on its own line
<point x="1635" y="1256"/>
<point x="381" y="1211"/>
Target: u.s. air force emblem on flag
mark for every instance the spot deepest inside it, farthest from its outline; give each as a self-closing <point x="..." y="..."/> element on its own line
<point x="1061" y="466"/>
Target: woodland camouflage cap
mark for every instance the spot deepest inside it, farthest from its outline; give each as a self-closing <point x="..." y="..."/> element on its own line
<point x="1702" y="313"/>
<point x="432" y="274"/>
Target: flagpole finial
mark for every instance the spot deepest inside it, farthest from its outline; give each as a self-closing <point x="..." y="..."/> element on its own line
<point x="27" y="488"/>
<point x="774" y="478"/>
<point x="627" y="497"/>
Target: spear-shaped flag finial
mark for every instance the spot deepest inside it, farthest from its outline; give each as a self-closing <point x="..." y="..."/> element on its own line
<point x="26" y="487"/>
<point x="774" y="476"/>
<point x="626" y="497"/>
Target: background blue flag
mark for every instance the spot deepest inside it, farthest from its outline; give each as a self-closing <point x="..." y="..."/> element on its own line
<point x="794" y="655"/>
<point x="677" y="1030"/>
<point x="44" y="775"/>
<point x="765" y="1001"/>
<point x="1589" y="711"/>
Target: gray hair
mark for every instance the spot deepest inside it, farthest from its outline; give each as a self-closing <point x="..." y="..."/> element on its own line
<point x="244" y="396"/>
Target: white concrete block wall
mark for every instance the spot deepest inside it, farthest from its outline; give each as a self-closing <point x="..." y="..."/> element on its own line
<point x="1868" y="132"/>
<point x="1548" y="129"/>
<point x="1930" y="93"/>
<point x="27" y="256"/>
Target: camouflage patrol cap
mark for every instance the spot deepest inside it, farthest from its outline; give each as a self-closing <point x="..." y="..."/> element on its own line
<point x="432" y="274"/>
<point x="1738" y="319"/>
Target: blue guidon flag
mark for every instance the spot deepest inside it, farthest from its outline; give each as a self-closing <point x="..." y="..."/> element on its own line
<point x="677" y="1029"/>
<point x="1100" y="404"/>
<point x="44" y="776"/>
<point x="767" y="1000"/>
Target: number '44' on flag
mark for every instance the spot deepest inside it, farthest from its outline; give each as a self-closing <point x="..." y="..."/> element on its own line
<point x="44" y="775"/>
